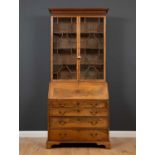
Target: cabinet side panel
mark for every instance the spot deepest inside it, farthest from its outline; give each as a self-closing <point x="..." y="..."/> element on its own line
<point x="51" y="51"/>
<point x="104" y="48"/>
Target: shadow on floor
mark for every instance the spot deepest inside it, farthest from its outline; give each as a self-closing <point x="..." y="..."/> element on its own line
<point x="81" y="145"/>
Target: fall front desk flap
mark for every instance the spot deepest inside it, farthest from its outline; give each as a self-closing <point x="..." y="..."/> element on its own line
<point x="81" y="90"/>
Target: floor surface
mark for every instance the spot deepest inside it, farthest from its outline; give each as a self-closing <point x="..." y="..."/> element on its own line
<point x="37" y="146"/>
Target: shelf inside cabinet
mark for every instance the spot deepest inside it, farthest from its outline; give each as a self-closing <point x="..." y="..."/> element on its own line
<point x="62" y="50"/>
<point x="91" y="34"/>
<point x="65" y="34"/>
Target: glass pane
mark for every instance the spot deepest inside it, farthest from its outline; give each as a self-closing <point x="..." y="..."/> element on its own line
<point x="91" y="39"/>
<point x="64" y="52"/>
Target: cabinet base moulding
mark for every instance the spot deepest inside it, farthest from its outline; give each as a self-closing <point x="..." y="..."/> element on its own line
<point x="50" y="144"/>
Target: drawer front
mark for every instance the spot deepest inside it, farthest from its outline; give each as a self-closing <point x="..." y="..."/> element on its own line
<point x="77" y="112"/>
<point x="78" y="122"/>
<point x="80" y="104"/>
<point x="78" y="135"/>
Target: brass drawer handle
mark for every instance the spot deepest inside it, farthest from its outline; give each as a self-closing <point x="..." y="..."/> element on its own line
<point x="94" y="122"/>
<point x="62" y="112"/>
<point x="93" y="104"/>
<point x="93" y="112"/>
<point x="61" y="122"/>
<point x="62" y="134"/>
<point x="94" y="134"/>
<point x="61" y="104"/>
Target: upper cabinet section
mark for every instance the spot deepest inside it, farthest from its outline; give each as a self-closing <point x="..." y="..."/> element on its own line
<point x="78" y="44"/>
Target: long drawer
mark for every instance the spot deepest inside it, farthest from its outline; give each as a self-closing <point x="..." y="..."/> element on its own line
<point x="78" y="103"/>
<point x="77" y="112"/>
<point x="78" y="122"/>
<point x="78" y="135"/>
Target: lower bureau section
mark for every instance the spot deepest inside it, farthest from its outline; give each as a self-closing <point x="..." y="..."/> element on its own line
<point x="78" y="121"/>
<point x="78" y="135"/>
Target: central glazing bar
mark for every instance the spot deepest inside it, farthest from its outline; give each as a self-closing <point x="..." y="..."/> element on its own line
<point x="78" y="47"/>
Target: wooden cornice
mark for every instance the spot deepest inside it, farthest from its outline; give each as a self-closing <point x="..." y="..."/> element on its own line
<point x="78" y="11"/>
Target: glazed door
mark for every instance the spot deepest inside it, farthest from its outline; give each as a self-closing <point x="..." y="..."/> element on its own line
<point x="64" y="41"/>
<point x="92" y="48"/>
<point x="78" y="48"/>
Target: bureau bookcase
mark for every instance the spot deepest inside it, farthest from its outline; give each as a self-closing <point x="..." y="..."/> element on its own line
<point x="78" y="96"/>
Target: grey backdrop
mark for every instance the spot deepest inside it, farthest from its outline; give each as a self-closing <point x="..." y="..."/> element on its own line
<point x="34" y="60"/>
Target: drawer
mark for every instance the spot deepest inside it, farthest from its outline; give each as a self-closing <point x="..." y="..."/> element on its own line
<point x="78" y="103"/>
<point x="77" y="112"/>
<point x="78" y="135"/>
<point x="78" y="122"/>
